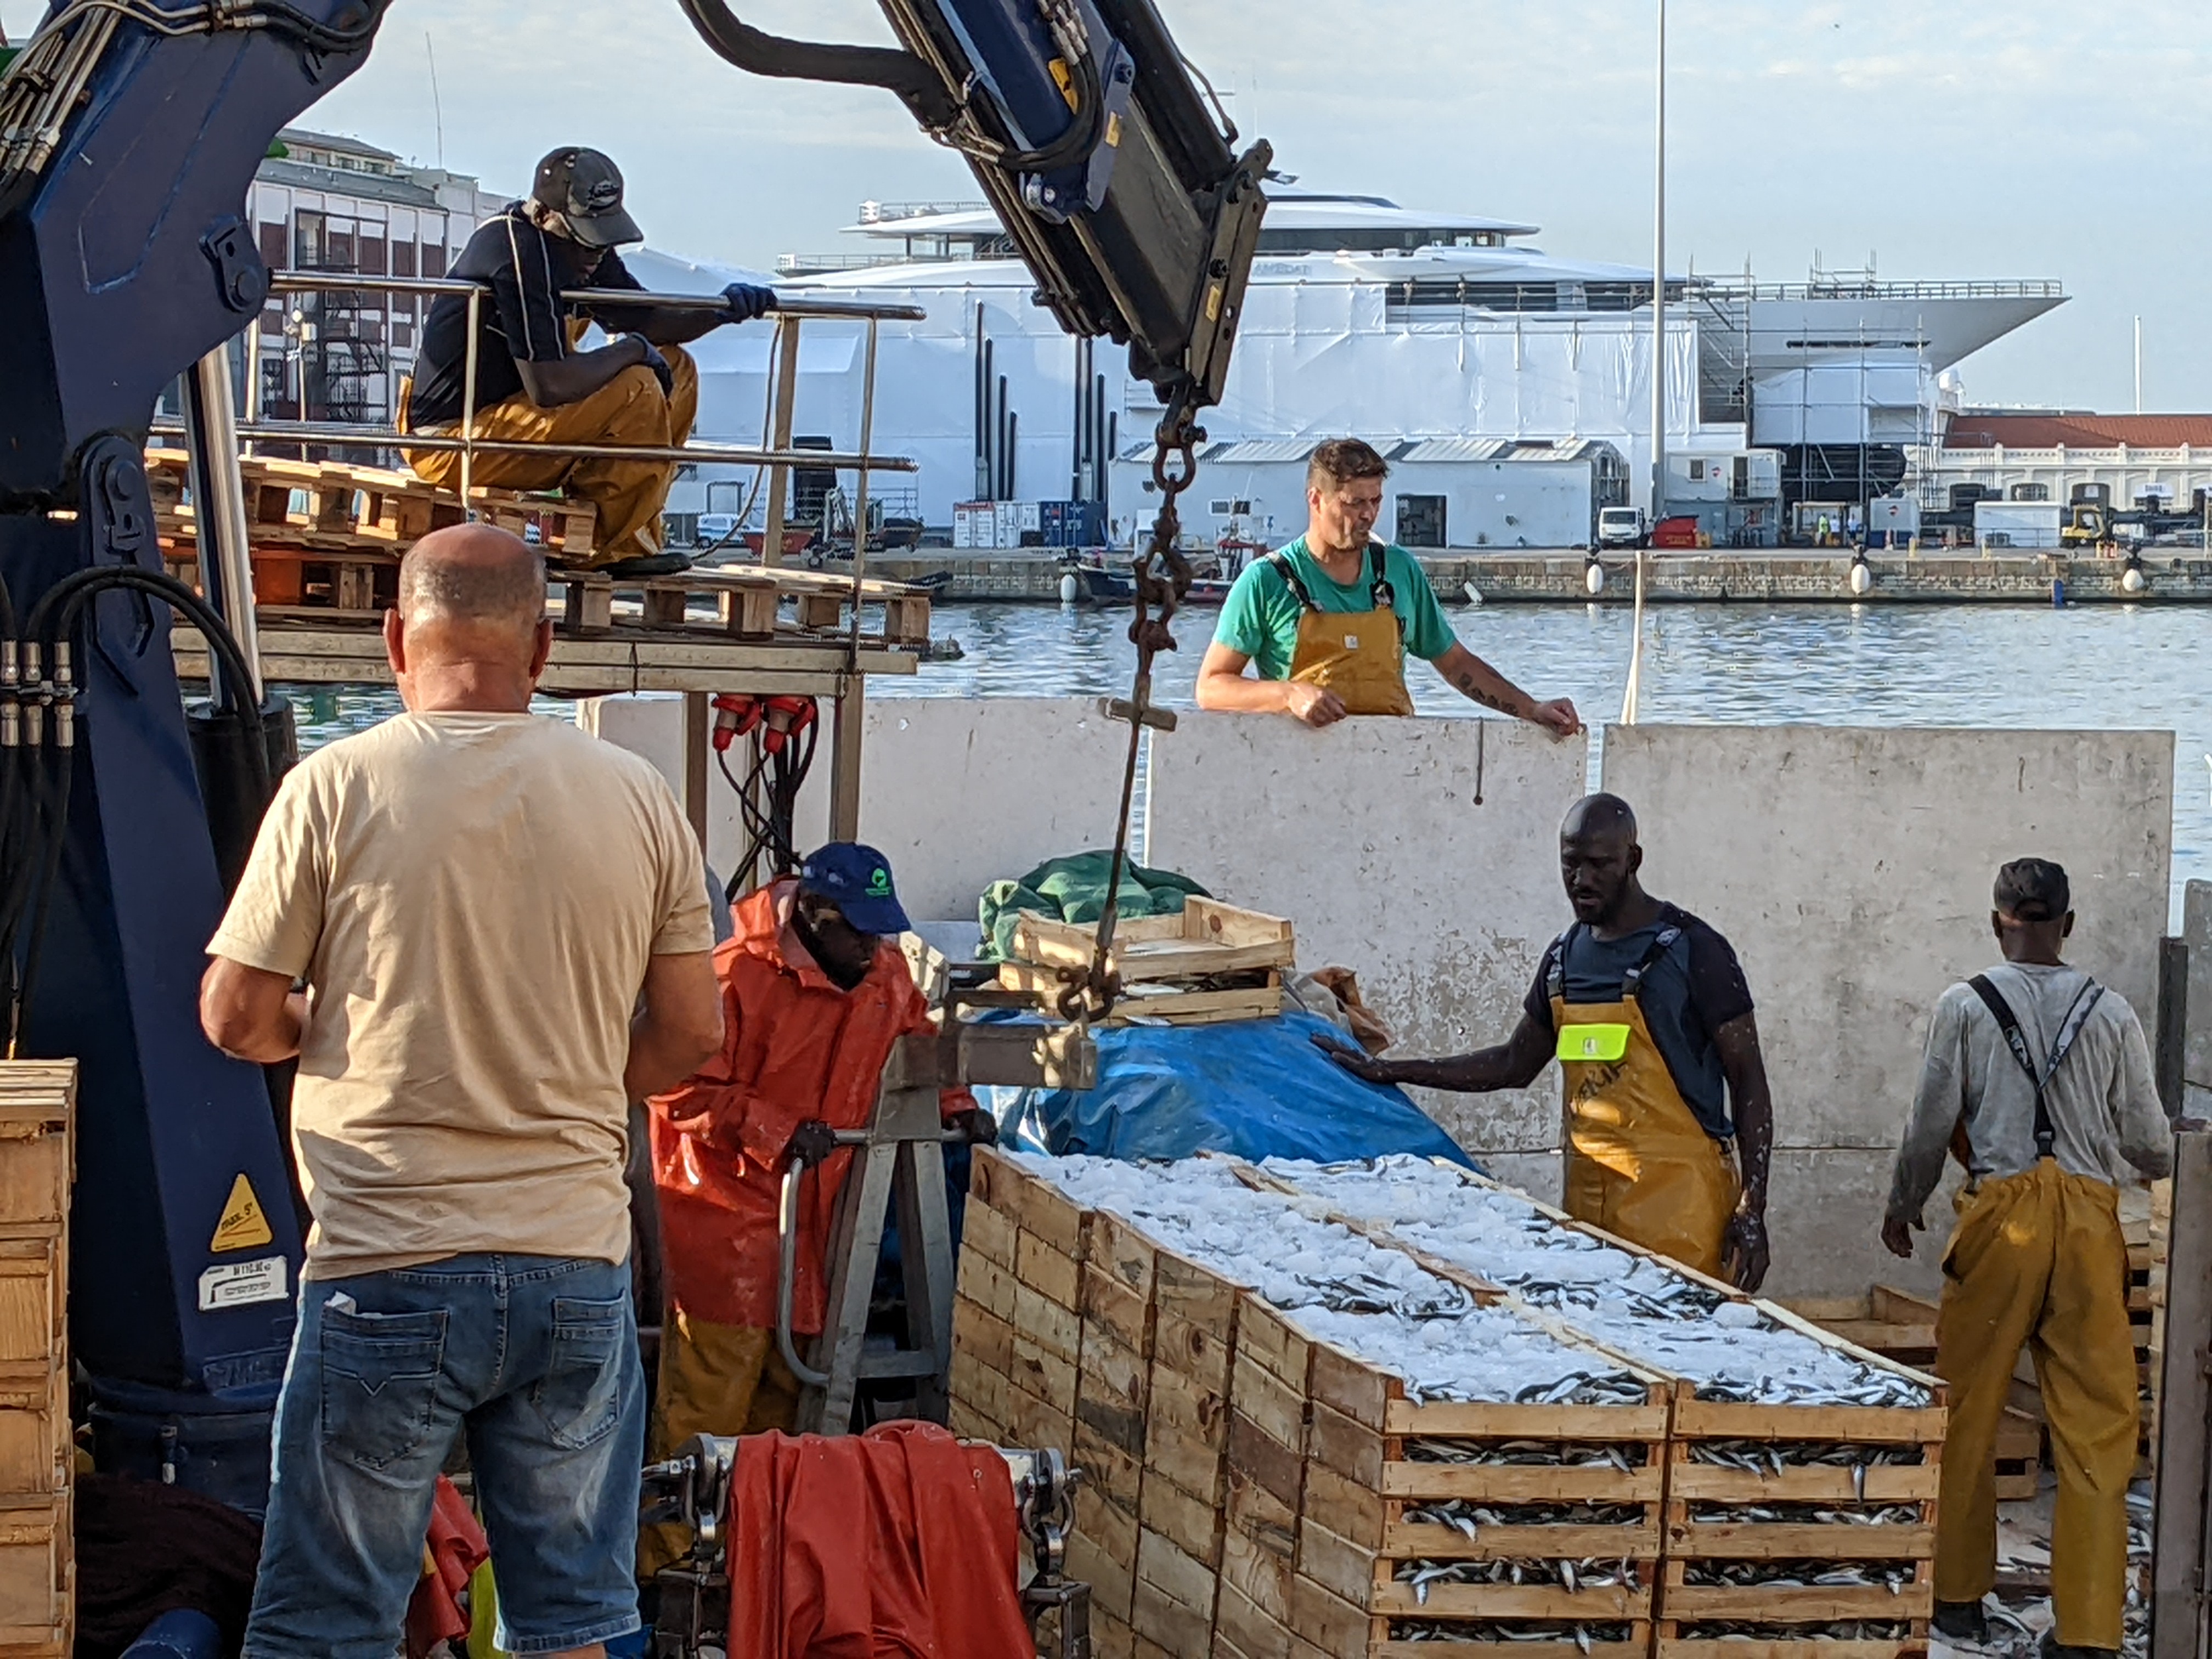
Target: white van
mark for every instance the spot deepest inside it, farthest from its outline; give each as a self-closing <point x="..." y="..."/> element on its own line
<point x="716" y="527"/>
<point x="1617" y="526"/>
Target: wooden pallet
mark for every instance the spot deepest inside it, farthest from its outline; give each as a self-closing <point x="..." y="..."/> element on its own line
<point x="1208" y="964"/>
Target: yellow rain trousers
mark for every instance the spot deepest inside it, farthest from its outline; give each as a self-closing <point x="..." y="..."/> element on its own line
<point x="630" y="408"/>
<point x="1357" y="655"/>
<point x="2038" y="1259"/>
<point x="714" y="1379"/>
<point x="1638" y="1163"/>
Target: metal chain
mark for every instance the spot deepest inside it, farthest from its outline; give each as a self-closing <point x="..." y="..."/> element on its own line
<point x="1163" y="578"/>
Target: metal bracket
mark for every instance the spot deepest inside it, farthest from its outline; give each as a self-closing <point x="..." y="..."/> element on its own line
<point x="240" y="276"/>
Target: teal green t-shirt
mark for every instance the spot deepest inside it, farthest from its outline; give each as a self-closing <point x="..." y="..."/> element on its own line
<point x="1260" y="618"/>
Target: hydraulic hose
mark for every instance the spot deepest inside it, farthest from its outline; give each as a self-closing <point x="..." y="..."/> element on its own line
<point x="53" y="618"/>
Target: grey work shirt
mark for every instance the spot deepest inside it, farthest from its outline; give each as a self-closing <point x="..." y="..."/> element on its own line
<point x="2103" y="1103"/>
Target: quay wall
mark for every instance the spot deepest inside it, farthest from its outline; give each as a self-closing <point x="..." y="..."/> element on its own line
<point x="1851" y="868"/>
<point x="1556" y="576"/>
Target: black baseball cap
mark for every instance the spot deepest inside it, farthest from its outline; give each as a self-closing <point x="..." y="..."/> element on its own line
<point x="585" y="189"/>
<point x="2033" y="889"/>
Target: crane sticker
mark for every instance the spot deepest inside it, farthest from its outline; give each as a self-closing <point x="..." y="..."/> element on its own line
<point x="243" y="1226"/>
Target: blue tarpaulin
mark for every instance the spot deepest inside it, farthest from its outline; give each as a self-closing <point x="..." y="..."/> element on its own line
<point x="1255" y="1089"/>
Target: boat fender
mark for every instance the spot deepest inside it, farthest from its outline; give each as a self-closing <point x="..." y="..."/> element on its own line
<point x="1594" y="579"/>
<point x="1070" y="589"/>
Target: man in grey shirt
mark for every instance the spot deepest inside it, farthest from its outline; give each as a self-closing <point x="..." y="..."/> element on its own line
<point x="2040" y="1079"/>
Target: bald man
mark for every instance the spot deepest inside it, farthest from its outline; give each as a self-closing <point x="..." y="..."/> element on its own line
<point x="1646" y="1009"/>
<point x="450" y="919"/>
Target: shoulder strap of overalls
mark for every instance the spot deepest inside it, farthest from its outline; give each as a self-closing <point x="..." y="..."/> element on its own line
<point x="1281" y="560"/>
<point x="1378" y="571"/>
<point x="2077" y="1016"/>
<point x="1555" y="963"/>
<point x="1632" y="981"/>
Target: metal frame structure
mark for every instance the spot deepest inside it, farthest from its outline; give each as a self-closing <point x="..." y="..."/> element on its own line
<point x="579" y="668"/>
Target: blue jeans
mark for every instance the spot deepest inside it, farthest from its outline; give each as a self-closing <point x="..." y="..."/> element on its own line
<point x="535" y="1359"/>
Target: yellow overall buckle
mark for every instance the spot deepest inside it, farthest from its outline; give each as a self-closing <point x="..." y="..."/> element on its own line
<point x="1587" y="1044"/>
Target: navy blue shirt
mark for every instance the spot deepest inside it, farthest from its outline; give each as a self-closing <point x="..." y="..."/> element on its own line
<point x="1694" y="989"/>
<point x="524" y="319"/>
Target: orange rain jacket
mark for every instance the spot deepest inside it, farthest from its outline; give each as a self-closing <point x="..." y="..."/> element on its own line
<point x="795" y="1046"/>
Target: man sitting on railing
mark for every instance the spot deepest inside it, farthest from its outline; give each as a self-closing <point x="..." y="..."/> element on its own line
<point x="533" y="384"/>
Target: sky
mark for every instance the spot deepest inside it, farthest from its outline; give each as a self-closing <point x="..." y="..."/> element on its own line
<point x="1949" y="139"/>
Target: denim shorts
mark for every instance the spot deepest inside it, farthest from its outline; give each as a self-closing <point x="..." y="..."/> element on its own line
<point x="535" y="1360"/>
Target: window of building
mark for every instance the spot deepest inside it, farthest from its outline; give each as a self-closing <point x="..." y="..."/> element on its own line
<point x="1421" y="521"/>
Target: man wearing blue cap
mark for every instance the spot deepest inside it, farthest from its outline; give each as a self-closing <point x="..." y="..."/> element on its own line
<point x="815" y="991"/>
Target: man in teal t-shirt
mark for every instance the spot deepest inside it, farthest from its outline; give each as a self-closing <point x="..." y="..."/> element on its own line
<point x="1308" y="620"/>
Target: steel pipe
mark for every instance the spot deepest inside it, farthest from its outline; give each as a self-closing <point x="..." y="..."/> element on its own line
<point x="220" y="507"/>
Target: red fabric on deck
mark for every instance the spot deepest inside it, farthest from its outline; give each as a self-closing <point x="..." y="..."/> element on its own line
<point x="897" y="1544"/>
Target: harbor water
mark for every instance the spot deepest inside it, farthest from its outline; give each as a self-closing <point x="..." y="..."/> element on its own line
<point x="2110" y="666"/>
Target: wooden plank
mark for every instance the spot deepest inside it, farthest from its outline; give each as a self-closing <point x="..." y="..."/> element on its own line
<point x="1259" y="1544"/>
<point x="1110" y="1466"/>
<point x="1049" y="1270"/>
<point x="1186" y="1580"/>
<point x="1050" y="1326"/>
<point x="1612" y="1604"/>
<point x="1266" y="1338"/>
<point x="2180" y="1545"/>
<point x="1485" y="1421"/>
<point x="1262" y="1459"/>
<point x="1672" y="1647"/>
<point x="1048" y="1375"/>
<point x="1348" y="1449"/>
<point x="1782" y="1542"/>
<point x="988" y="1233"/>
<point x="1413" y="1539"/>
<point x="1701" y="1419"/>
<point x="1110" y="1307"/>
<point x="1102" y="1551"/>
<point x="1038" y="1206"/>
<point x="1191" y="1522"/>
<point x="1348" y="1384"/>
<point x="1339" y="1565"/>
<point x="1767" y="1604"/>
<point x="1121" y="1253"/>
<point x="1512" y="1483"/>
<point x="1196" y="1350"/>
<point x="1207" y="938"/>
<point x="1353" y="1510"/>
<point x="983" y="1281"/>
<point x="981" y="1335"/>
<point x="1883" y="1483"/>
<point x="1275" y="1407"/>
<point x="1327" y="1619"/>
<point x="1255" y="1632"/>
<point x="1114" y="1374"/>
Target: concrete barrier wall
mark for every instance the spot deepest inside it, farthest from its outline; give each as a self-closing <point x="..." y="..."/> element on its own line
<point x="957" y="792"/>
<point x="1422" y="853"/>
<point x="1851" y="869"/>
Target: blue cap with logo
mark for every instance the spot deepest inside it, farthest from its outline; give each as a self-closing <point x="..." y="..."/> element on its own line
<point x="857" y="879"/>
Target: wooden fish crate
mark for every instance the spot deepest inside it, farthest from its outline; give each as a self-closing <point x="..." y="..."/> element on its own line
<point x="1727" y="1459"/>
<point x="1375" y="1460"/>
<point x="38" y="1111"/>
<point x="1213" y="962"/>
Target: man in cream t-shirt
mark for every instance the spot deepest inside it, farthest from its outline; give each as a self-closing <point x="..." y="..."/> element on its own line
<point x="477" y="899"/>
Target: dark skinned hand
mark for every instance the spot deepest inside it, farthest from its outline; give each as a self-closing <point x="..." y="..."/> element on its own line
<point x="1357" y="1062"/>
<point x="1744" y="1254"/>
<point x="1897" y="1238"/>
<point x="977" y="1127"/>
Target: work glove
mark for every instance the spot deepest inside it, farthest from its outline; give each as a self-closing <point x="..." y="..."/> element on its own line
<point x="747" y="301"/>
<point x="975" y="1126"/>
<point x="810" y="1143"/>
<point x="657" y="364"/>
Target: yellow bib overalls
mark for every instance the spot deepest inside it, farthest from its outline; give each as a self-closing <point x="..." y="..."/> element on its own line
<point x="1638" y="1163"/>
<point x="1357" y="654"/>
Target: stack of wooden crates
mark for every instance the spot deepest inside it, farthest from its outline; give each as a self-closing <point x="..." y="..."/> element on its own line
<point x="38" y="1102"/>
<point x="1250" y="1492"/>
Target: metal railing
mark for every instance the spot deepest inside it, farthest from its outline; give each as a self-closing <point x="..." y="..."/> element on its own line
<point x="1855" y="287"/>
<point x="216" y="435"/>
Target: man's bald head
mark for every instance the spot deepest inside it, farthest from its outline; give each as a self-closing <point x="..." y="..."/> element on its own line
<point x="1599" y="858"/>
<point x="469" y="631"/>
<point x="1599" y="815"/>
<point x="474" y="575"/>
